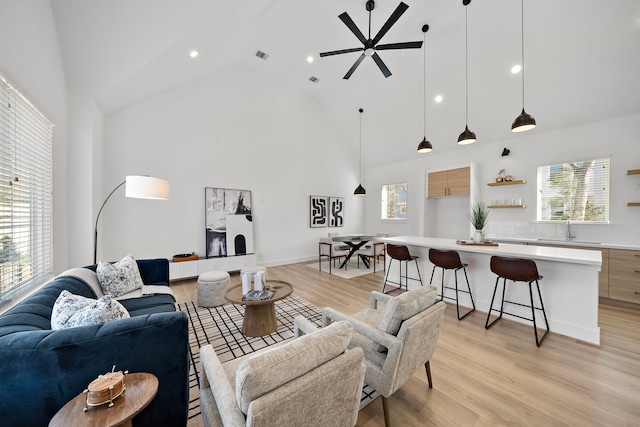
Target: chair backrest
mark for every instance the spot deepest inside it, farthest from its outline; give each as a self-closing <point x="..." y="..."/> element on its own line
<point x="517" y="269"/>
<point x="332" y="234"/>
<point x="445" y="259"/>
<point x="287" y="386"/>
<point x="399" y="252"/>
<point x="419" y="335"/>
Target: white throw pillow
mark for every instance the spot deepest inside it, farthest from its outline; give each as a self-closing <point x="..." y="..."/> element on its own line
<point x="72" y="310"/>
<point x="119" y="278"/>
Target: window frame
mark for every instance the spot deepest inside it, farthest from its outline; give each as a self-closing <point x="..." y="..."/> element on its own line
<point x="545" y="189"/>
<point x="26" y="195"/>
<point x="384" y="204"/>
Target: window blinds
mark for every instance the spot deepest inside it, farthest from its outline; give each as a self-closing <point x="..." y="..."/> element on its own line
<point x="26" y="208"/>
<point x="574" y="191"/>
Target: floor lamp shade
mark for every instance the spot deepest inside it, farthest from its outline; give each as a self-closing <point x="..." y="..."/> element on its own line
<point x="146" y="187"/>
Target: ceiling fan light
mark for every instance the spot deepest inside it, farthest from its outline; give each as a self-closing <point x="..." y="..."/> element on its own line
<point x="369" y="51"/>
<point x="360" y="191"/>
<point x="425" y="146"/>
<point x="466" y="137"/>
<point x="523" y="122"/>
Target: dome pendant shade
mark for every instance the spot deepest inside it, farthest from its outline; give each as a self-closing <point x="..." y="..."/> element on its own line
<point x="360" y="191"/>
<point x="466" y="137"/>
<point x="523" y="122"/>
<point x="425" y="146"/>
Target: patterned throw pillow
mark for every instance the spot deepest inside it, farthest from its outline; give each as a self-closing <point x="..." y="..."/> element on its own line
<point x="71" y="310"/>
<point x="119" y="278"/>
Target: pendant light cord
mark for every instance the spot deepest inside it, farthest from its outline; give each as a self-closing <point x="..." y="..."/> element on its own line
<point x="360" y="157"/>
<point x="522" y="48"/>
<point x="466" y="65"/>
<point x="424" y="82"/>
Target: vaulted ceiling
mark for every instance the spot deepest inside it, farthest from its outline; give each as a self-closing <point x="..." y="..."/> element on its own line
<point x="582" y="60"/>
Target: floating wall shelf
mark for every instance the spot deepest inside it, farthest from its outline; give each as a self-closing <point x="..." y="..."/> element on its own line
<point x="514" y="182"/>
<point x="506" y="206"/>
<point x="633" y="172"/>
<point x="628" y="204"/>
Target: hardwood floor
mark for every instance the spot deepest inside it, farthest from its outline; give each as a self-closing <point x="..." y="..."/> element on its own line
<point x="497" y="376"/>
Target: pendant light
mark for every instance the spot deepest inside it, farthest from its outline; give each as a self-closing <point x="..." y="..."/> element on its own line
<point x="466" y="137"/>
<point x="524" y="121"/>
<point x="425" y="146"/>
<point x="360" y="191"/>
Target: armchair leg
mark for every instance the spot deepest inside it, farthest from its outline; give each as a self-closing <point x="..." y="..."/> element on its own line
<point x="385" y="409"/>
<point x="427" y="367"/>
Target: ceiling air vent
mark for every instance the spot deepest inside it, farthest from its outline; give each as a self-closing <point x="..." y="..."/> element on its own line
<point x="314" y="79"/>
<point x="262" y="55"/>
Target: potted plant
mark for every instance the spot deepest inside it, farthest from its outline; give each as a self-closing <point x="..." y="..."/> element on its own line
<point x="478" y="218"/>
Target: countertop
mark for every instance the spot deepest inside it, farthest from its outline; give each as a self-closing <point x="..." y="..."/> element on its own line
<point x="559" y="242"/>
<point x="546" y="253"/>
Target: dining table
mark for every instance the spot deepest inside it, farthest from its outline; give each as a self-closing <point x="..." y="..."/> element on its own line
<point x="355" y="242"/>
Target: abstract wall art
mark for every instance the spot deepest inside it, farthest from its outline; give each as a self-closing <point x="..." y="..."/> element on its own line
<point x="228" y="222"/>
<point x="336" y="211"/>
<point x="319" y="211"/>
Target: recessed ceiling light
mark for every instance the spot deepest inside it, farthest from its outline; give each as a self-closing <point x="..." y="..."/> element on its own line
<point x="193" y="53"/>
<point x="309" y="58"/>
<point x="516" y="69"/>
<point x="438" y="98"/>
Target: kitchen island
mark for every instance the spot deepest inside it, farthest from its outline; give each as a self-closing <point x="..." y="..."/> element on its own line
<point x="569" y="287"/>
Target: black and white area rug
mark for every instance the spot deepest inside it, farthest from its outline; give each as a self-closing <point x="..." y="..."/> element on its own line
<point x="221" y="327"/>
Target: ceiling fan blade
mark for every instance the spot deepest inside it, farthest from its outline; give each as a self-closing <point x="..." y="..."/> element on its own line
<point x="344" y="17"/>
<point x="353" y="67"/>
<point x="338" y="52"/>
<point x="381" y="65"/>
<point x="392" y="20"/>
<point x="405" y="45"/>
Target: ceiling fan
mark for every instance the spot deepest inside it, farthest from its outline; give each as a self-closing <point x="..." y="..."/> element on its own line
<point x="371" y="46"/>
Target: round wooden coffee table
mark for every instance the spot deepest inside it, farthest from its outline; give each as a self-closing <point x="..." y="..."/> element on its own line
<point x="141" y="388"/>
<point x="259" y="316"/>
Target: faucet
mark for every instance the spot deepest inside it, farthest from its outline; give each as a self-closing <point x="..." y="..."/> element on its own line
<point x="569" y="234"/>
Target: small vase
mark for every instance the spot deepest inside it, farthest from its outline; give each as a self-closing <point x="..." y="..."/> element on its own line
<point x="478" y="236"/>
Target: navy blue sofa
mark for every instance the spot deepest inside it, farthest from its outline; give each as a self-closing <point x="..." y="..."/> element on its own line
<point x="41" y="369"/>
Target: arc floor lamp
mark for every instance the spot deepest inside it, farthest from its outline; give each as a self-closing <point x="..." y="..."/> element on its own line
<point x="137" y="187"/>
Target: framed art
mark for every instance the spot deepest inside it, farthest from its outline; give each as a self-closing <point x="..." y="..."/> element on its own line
<point x="228" y="222"/>
<point x="318" y="211"/>
<point x="336" y="211"/>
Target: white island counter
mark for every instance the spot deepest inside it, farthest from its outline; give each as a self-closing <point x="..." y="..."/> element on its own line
<point x="569" y="287"/>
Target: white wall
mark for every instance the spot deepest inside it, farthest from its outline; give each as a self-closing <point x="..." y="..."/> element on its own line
<point x="234" y="129"/>
<point x="616" y="138"/>
<point x="30" y="58"/>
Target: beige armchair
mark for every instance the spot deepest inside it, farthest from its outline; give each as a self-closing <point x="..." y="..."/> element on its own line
<point x="313" y="379"/>
<point x="397" y="338"/>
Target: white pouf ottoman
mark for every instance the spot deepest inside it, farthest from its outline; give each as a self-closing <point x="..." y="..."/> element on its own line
<point x="211" y="288"/>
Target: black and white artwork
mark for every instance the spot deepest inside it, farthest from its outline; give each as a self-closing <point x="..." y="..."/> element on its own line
<point x="319" y="211"/>
<point x="228" y="222"/>
<point x="336" y="211"/>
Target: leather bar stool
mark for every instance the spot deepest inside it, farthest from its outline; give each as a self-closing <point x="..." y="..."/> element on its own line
<point x="450" y="260"/>
<point x="401" y="254"/>
<point x="517" y="270"/>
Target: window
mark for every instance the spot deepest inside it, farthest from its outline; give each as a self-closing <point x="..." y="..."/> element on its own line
<point x="394" y="201"/>
<point x="574" y="191"/>
<point x="26" y="256"/>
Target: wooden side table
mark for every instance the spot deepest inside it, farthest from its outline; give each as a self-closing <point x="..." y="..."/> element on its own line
<point x="259" y="316"/>
<point x="141" y="388"/>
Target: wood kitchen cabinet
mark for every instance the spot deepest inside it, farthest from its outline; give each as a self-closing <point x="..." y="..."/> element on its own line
<point x="624" y="275"/>
<point x="604" y="270"/>
<point x="452" y="182"/>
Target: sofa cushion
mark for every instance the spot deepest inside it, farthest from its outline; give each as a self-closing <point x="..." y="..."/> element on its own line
<point x="261" y="374"/>
<point x="120" y="277"/>
<point x="404" y="306"/>
<point x="71" y="310"/>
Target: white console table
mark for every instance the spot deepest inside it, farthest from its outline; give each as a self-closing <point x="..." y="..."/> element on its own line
<point x="186" y="269"/>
